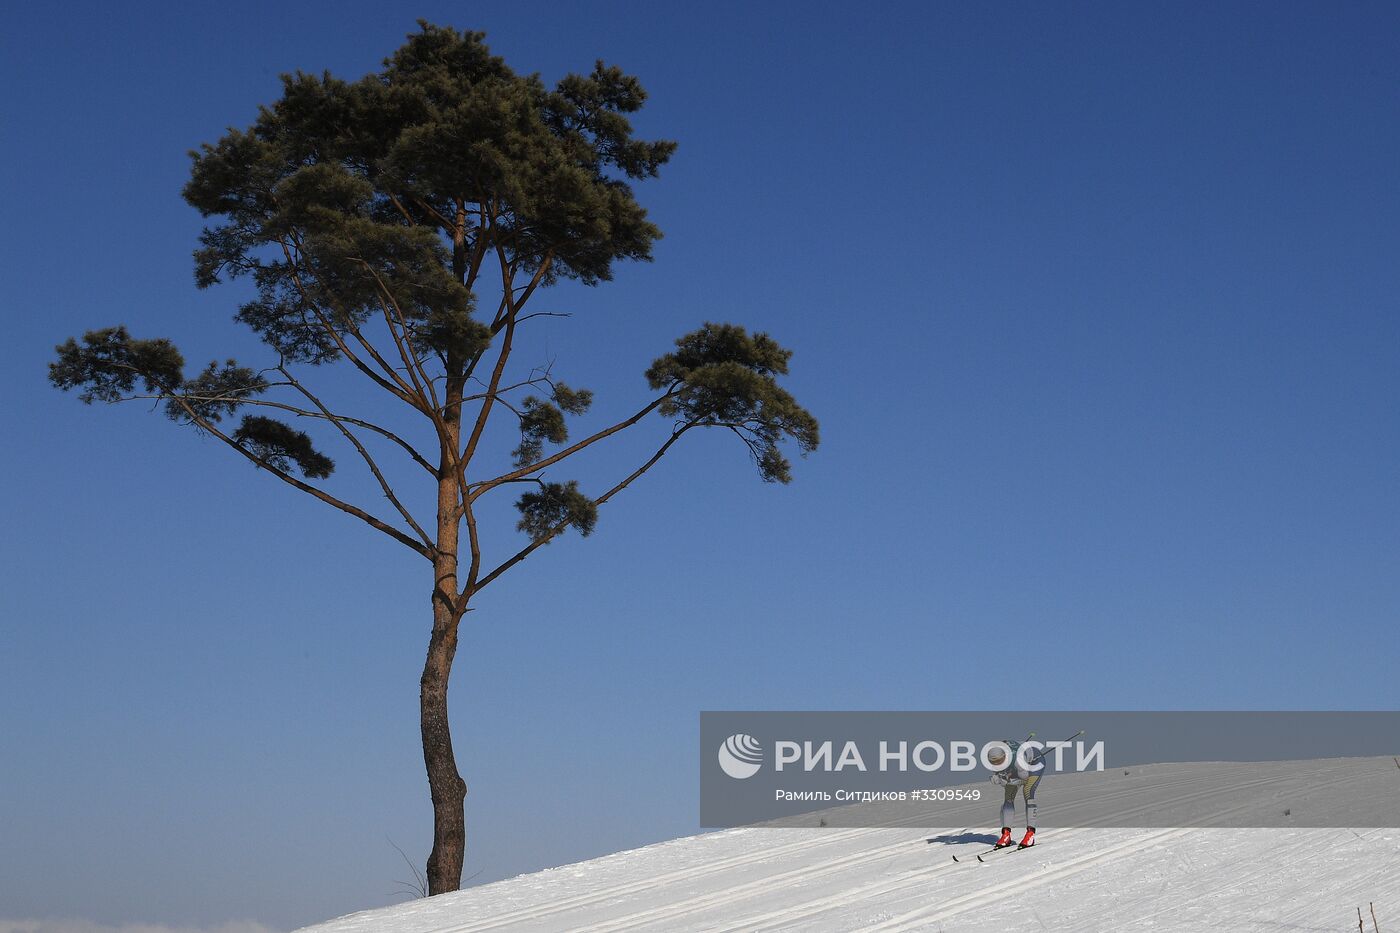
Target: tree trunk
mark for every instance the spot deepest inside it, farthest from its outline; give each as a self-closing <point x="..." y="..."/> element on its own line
<point x="444" y="782"/>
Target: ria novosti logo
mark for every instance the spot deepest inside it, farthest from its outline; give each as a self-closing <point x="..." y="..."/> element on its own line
<point x="741" y="756"/>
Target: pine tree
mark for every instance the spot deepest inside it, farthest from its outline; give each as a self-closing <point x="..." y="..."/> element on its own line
<point x="399" y="225"/>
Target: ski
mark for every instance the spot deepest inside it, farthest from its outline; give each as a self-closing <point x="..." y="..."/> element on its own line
<point x="980" y="858"/>
<point x="985" y="852"/>
<point x="1012" y="848"/>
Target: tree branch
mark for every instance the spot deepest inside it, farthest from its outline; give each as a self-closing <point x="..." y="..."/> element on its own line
<point x="474" y="546"/>
<point x="304" y="413"/>
<point x="364" y="454"/>
<point x="397" y="387"/>
<point x="559" y="528"/>
<point x="493" y="387"/>
<point x="372" y="521"/>
<point x="422" y="382"/>
<point x="484" y="486"/>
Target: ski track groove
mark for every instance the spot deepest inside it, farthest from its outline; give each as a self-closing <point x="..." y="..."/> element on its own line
<point x="809" y="872"/>
<point x="887" y="886"/>
<point x="757" y="886"/>
<point x="681" y="908"/>
<point x="680" y="874"/>
<point x="1233" y="880"/>
<point x="530" y="914"/>
<point x="526" y="914"/>
<point x="1074" y="866"/>
<point x="939" y="912"/>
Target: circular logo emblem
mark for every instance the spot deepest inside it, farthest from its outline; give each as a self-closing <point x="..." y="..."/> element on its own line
<point x="741" y="756"/>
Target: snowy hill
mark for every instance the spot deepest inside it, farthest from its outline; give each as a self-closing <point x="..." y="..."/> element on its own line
<point x="1180" y="879"/>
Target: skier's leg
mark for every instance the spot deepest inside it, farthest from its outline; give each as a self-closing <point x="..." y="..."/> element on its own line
<point x="1008" y="805"/>
<point x="1032" y="808"/>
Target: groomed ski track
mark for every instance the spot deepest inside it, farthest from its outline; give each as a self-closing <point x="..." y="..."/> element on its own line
<point x="892" y="878"/>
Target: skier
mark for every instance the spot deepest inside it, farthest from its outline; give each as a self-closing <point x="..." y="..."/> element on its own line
<point x="1013" y="776"/>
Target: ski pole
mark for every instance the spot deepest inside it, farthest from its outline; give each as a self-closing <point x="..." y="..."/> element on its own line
<point x="1041" y="756"/>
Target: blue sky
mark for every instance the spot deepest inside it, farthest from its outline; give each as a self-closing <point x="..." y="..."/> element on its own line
<point x="1096" y="303"/>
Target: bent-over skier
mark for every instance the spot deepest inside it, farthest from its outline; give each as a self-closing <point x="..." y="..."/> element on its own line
<point x="1013" y="777"/>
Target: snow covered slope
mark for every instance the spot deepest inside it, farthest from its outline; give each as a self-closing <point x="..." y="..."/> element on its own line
<point x="1180" y="879"/>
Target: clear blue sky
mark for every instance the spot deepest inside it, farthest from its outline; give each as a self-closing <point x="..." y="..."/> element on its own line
<point x="1096" y="303"/>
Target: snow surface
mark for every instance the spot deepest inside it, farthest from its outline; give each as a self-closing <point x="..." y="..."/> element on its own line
<point x="1173" y="878"/>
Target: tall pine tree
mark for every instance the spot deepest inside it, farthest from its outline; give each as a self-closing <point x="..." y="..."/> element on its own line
<point x="399" y="225"/>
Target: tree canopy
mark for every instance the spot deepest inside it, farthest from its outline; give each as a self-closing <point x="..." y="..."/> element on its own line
<point x="385" y="198"/>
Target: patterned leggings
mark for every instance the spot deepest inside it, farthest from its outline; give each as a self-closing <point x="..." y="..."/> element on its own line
<point x="1008" y="806"/>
